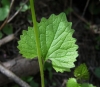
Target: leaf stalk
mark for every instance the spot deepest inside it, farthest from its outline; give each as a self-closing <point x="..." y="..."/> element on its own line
<point x="36" y="32"/>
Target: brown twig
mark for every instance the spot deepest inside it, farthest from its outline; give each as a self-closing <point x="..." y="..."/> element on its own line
<point x="11" y="75"/>
<point x="64" y="82"/>
<point x="80" y="17"/>
<point x="7" y="39"/>
<point x="12" y="36"/>
<point x="16" y="13"/>
<point x="4" y="23"/>
<point x="21" y="67"/>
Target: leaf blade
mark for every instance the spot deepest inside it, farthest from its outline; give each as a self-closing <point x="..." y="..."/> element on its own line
<point x="27" y="45"/>
<point x="81" y="72"/>
<point x="59" y="47"/>
<point x="57" y="43"/>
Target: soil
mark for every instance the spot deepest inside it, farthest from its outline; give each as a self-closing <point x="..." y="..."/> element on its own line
<point x="86" y="37"/>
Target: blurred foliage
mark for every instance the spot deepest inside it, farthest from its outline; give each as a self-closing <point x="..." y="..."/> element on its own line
<point x="97" y="72"/>
<point x="81" y="72"/>
<point x="68" y="11"/>
<point x="25" y="7"/>
<point x="7" y="30"/>
<point x="4" y="9"/>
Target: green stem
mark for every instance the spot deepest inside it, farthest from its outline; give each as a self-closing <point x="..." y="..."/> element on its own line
<point x="36" y="32"/>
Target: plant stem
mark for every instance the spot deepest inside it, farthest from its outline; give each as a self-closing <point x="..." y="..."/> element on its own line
<point x="36" y="32"/>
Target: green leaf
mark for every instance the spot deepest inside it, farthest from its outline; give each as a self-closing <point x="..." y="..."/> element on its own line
<point x="5" y="2"/>
<point x="97" y="72"/>
<point x="29" y="79"/>
<point x="34" y="84"/>
<point x="1" y="34"/>
<point x="57" y="43"/>
<point x="25" y="8"/>
<point x="7" y="29"/>
<point x="4" y="12"/>
<point x="87" y="85"/>
<point x="27" y="45"/>
<point x="72" y="83"/>
<point x="81" y="72"/>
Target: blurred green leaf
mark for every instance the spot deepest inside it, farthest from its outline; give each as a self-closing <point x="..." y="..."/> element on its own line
<point x="4" y="12"/>
<point x="81" y="72"/>
<point x="8" y="29"/>
<point x="5" y="2"/>
<point x="72" y="83"/>
<point x="1" y="34"/>
<point x="34" y="84"/>
<point x="87" y="85"/>
<point x="68" y="11"/>
<point x="25" y="7"/>
<point x="29" y="79"/>
<point x="97" y="72"/>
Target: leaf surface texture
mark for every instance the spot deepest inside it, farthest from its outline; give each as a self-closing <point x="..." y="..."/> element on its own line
<point x="57" y="43"/>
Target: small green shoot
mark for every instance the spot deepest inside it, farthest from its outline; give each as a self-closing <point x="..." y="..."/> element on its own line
<point x="81" y="72"/>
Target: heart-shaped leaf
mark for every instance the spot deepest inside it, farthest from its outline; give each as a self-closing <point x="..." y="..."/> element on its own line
<point x="57" y="43"/>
